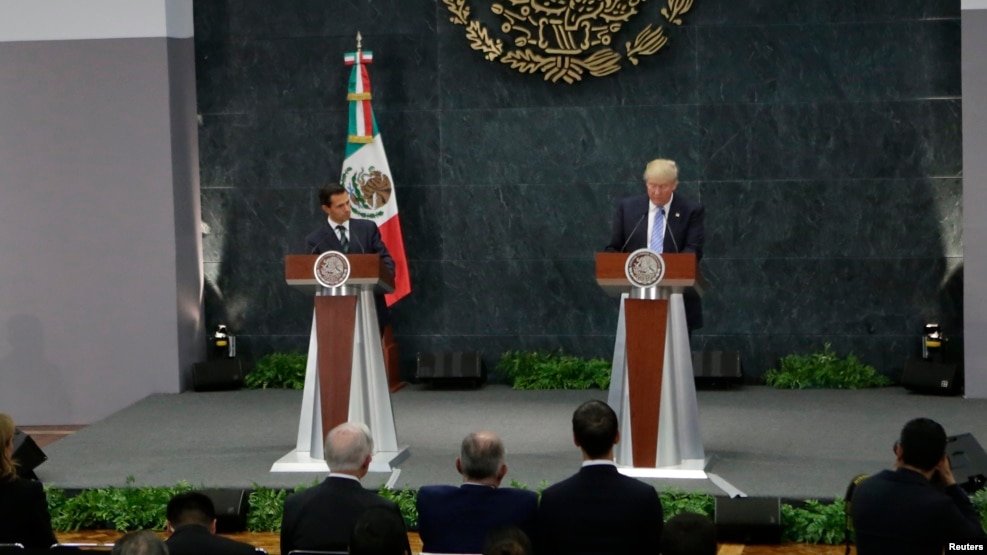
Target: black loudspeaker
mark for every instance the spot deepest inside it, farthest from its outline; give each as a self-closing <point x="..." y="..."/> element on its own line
<point x="27" y="454"/>
<point x="717" y="368"/>
<point x="455" y="369"/>
<point x="968" y="461"/>
<point x="216" y="375"/>
<point x="748" y="520"/>
<point x="232" y="506"/>
<point x="938" y="378"/>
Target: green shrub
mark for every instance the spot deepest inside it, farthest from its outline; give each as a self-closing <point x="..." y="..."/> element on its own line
<point x="122" y="509"/>
<point x="824" y="370"/>
<point x="407" y="500"/>
<point x="553" y="370"/>
<point x="675" y="501"/>
<point x="979" y="500"/>
<point x="815" y="522"/>
<point x="278" y="370"/>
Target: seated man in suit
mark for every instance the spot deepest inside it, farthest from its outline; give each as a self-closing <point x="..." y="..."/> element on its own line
<point x="917" y="508"/>
<point x="663" y="221"/>
<point x="689" y="534"/>
<point x="348" y="236"/>
<point x="379" y="531"/>
<point x="457" y="519"/>
<point x="598" y="510"/>
<point x="192" y="528"/>
<point x="321" y="517"/>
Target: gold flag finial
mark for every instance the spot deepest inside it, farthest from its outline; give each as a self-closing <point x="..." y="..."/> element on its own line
<point x="359" y="40"/>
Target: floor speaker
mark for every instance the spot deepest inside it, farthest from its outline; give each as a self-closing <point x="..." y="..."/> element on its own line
<point x="938" y="378"/>
<point x="454" y="368"/>
<point x="232" y="506"/>
<point x="717" y="368"/>
<point x="27" y="454"/>
<point x="216" y="375"/>
<point x="968" y="461"/>
<point x="748" y="520"/>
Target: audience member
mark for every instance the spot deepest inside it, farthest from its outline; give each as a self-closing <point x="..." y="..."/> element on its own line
<point x="322" y="517"/>
<point x="917" y="508"/>
<point x="598" y="510"/>
<point x="457" y="519"/>
<point x="689" y="534"/>
<point x="192" y="528"/>
<point x="379" y="531"/>
<point x="143" y="542"/>
<point x="507" y="540"/>
<point x="24" y="517"/>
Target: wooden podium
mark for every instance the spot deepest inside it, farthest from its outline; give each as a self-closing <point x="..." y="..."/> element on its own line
<point x="345" y="377"/>
<point x="652" y="388"/>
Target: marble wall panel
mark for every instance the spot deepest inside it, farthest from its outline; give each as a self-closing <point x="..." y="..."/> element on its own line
<point x="781" y="12"/>
<point x="831" y="140"/>
<point x="833" y="218"/>
<point x="565" y="145"/>
<point x="828" y="63"/>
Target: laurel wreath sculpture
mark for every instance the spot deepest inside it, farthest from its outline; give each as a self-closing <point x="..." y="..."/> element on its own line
<point x="568" y="65"/>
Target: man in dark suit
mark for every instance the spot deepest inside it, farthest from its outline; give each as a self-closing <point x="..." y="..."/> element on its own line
<point x="322" y="517"/>
<point x="192" y="528"/>
<point x="917" y="508"/>
<point x="662" y="221"/>
<point x="348" y="236"/>
<point x="457" y="519"/>
<point x="598" y="510"/>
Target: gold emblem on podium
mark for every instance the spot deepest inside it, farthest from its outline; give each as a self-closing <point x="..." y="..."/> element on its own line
<point x="566" y="39"/>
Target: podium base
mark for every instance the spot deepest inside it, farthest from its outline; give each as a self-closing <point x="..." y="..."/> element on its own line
<point x="689" y="469"/>
<point x="302" y="461"/>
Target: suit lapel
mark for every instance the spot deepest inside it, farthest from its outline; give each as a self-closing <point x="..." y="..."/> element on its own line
<point x="674" y="219"/>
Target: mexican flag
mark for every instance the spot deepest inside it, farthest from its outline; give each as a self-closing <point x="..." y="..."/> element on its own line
<point x="366" y="174"/>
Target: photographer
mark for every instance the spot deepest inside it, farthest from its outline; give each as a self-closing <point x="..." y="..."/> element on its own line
<point x="917" y="508"/>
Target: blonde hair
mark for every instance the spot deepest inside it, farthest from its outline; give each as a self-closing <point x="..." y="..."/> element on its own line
<point x="8" y="468"/>
<point x="662" y="169"/>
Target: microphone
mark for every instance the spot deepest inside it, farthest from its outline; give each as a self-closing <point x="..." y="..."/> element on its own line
<point x="669" y="232"/>
<point x="631" y="234"/>
<point x="354" y="237"/>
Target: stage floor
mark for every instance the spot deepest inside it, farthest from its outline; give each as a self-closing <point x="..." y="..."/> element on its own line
<point x="761" y="441"/>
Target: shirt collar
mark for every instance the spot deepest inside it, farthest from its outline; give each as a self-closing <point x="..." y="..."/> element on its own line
<point x="341" y="475"/>
<point x="599" y="462"/>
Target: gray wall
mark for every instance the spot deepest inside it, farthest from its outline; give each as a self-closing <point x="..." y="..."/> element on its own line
<point x="975" y="193"/>
<point x="100" y="284"/>
<point x="823" y="137"/>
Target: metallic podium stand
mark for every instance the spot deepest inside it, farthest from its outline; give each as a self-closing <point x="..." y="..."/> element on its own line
<point x="652" y="388"/>
<point x="345" y="378"/>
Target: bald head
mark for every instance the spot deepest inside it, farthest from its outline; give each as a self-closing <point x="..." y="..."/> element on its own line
<point x="349" y="448"/>
<point x="481" y="457"/>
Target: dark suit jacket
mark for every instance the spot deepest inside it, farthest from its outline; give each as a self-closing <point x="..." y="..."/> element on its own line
<point x="456" y="519"/>
<point x="686" y="233"/>
<point x="599" y="511"/>
<point x="899" y="512"/>
<point x="24" y="517"/>
<point x="194" y="539"/>
<point x="364" y="238"/>
<point x="322" y="517"/>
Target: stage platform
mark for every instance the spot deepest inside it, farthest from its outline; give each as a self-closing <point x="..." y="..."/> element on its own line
<point x="761" y="441"/>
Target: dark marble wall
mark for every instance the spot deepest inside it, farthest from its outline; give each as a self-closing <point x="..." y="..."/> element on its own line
<point x="823" y="137"/>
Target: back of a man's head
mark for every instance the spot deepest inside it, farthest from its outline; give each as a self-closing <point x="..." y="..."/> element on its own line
<point x="481" y="455"/>
<point x="348" y="446"/>
<point x="378" y="531"/>
<point x="689" y="534"/>
<point x="192" y="507"/>
<point x="507" y="540"/>
<point x="594" y="425"/>
<point x="923" y="443"/>
<point x="144" y="542"/>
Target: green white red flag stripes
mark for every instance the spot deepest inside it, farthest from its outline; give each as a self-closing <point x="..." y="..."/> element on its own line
<point x="366" y="174"/>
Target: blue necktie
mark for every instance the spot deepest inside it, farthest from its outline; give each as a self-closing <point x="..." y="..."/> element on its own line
<point x="342" y="238"/>
<point x="658" y="231"/>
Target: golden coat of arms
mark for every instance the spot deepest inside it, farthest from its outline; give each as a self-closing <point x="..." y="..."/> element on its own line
<point x="565" y="39"/>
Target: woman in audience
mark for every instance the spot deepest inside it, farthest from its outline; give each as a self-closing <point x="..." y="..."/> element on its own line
<point x="24" y="517"/>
